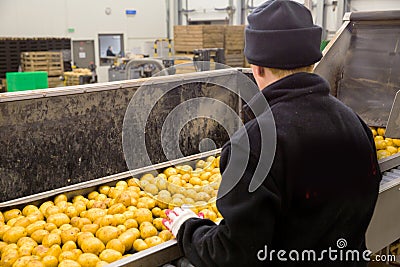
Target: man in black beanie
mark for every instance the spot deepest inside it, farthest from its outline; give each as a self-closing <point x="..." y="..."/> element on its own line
<point x="315" y="203"/>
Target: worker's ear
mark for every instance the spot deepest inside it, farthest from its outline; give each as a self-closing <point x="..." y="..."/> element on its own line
<point x="257" y="70"/>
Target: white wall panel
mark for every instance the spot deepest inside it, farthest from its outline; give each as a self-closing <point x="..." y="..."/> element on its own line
<point x="53" y="18"/>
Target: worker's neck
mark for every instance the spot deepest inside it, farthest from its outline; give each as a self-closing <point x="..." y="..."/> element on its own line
<point x="263" y="76"/>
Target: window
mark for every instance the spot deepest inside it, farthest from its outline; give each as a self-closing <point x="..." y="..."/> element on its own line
<point x="110" y="46"/>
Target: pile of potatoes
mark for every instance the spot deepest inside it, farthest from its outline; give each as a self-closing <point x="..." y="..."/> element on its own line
<point x="108" y="224"/>
<point x="385" y="146"/>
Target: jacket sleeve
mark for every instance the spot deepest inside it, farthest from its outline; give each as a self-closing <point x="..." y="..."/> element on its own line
<point x="248" y="225"/>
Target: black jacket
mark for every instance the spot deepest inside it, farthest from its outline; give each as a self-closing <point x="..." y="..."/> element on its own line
<point x="321" y="189"/>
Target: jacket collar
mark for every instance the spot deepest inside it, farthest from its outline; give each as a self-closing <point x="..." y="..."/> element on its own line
<point x="289" y="87"/>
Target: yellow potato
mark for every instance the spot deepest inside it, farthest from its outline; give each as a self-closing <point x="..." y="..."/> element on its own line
<point x="7" y="247"/>
<point x="35" y="216"/>
<point x="14" y="220"/>
<point x="13" y="234"/>
<point x="22" y="261"/>
<point x="165" y="235"/>
<point x="67" y="255"/>
<point x="80" y="206"/>
<point x="40" y="251"/>
<point x="79" y="198"/>
<point x="69" y="263"/>
<point x="140" y="245"/>
<point x="39" y="234"/>
<point x="170" y="171"/>
<point x="121" y="228"/>
<point x="124" y="198"/>
<point x="35" y="226"/>
<point x="135" y="231"/>
<point x="158" y="224"/>
<point x="148" y="231"/>
<point x="29" y="209"/>
<point x="107" y="220"/>
<point x="60" y="197"/>
<point x="77" y="252"/>
<point x="26" y="241"/>
<point x="2" y="245"/>
<point x="101" y="264"/>
<point x="82" y="236"/>
<point x="116" y="244"/>
<point x="50" y="227"/>
<point x="81" y="222"/>
<point x="130" y="223"/>
<point x="35" y="263"/>
<point x="58" y="219"/>
<point x="25" y="250"/>
<point x="72" y="212"/>
<point x="127" y="238"/>
<point x="52" y="210"/>
<point x="92" y="228"/>
<point x="9" y="257"/>
<point x="153" y="241"/>
<point x="50" y="261"/>
<point x="88" y="260"/>
<point x="145" y="224"/>
<point x="45" y="205"/>
<point x="209" y="214"/>
<point x="69" y="235"/>
<point x="51" y="239"/>
<point x="119" y="219"/>
<point x="381" y="131"/>
<point x="93" y="195"/>
<point x="55" y="250"/>
<point x="107" y="233"/>
<point x="117" y="208"/>
<point x="104" y="189"/>
<point x="92" y="245"/>
<point x="68" y="246"/>
<point x="10" y="214"/>
<point x="95" y="213"/>
<point x="143" y="215"/>
<point x="110" y="255"/>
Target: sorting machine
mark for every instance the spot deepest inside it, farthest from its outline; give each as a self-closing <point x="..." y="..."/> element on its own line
<point x="362" y="65"/>
<point x="62" y="140"/>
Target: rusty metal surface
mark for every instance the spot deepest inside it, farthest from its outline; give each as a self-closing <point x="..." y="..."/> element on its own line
<point x="62" y="139"/>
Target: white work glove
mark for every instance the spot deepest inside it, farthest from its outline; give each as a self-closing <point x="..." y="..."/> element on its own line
<point x="177" y="217"/>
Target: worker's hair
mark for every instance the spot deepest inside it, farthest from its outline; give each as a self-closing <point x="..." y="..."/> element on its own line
<point x="280" y="73"/>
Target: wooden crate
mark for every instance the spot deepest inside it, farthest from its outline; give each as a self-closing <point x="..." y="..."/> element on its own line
<point x="55" y="82"/>
<point x="52" y="62"/>
<point x="234" y="37"/>
<point x="234" y="58"/>
<point x="74" y="77"/>
<point x="188" y="38"/>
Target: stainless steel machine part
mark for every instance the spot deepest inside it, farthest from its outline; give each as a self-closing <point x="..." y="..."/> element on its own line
<point x="362" y="63"/>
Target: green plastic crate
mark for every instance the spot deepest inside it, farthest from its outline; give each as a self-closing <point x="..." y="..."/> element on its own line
<point x="21" y="81"/>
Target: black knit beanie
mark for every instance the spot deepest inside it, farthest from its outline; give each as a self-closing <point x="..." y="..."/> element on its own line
<point x="281" y="34"/>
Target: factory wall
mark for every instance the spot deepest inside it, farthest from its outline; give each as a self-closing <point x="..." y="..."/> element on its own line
<point x="364" y="5"/>
<point x="49" y="18"/>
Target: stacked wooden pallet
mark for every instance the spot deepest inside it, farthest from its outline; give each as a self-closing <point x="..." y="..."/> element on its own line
<point x="188" y="38"/>
<point x="77" y="76"/>
<point x="234" y="45"/>
<point x="55" y="82"/>
<point x="51" y="62"/>
<point x="229" y="37"/>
